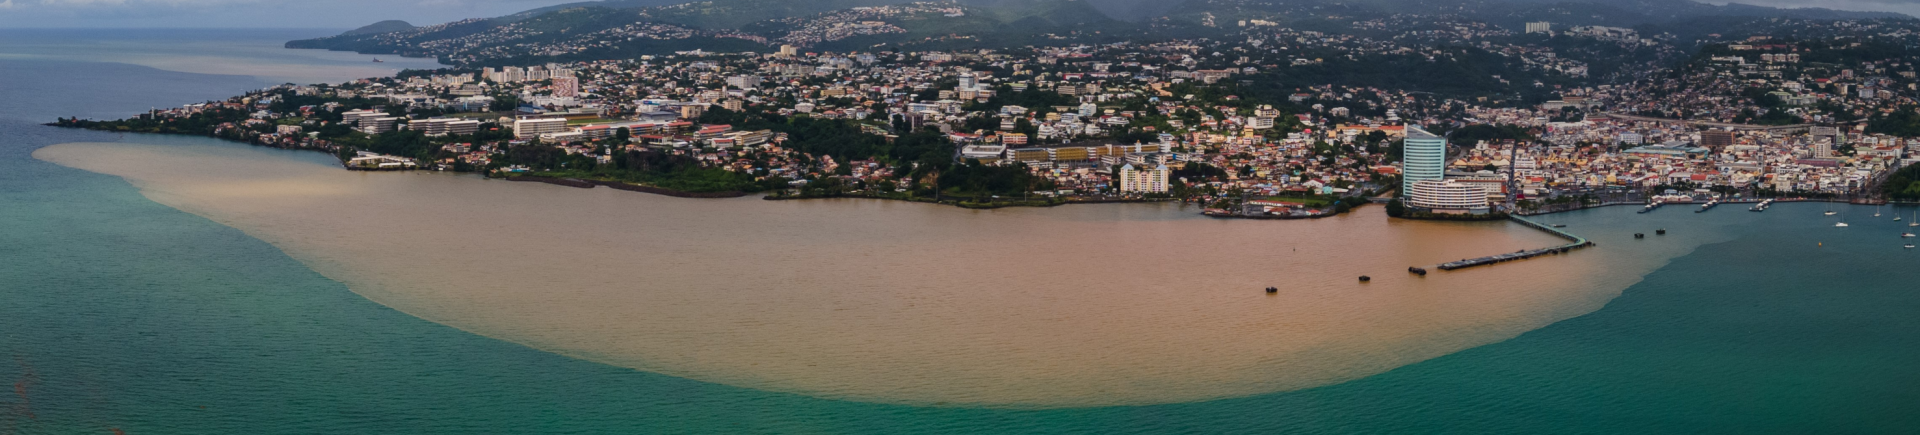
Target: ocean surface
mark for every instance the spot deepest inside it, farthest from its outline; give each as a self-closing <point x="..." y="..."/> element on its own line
<point x="120" y="313"/>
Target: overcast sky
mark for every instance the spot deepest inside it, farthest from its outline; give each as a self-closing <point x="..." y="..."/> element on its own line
<point x="343" y="14"/>
<point x="354" y="13"/>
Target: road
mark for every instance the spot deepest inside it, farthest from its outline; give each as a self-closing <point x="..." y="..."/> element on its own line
<point x="1706" y="123"/>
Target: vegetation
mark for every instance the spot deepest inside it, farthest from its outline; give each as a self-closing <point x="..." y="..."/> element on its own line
<point x="648" y="168"/>
<point x="1903" y="185"/>
<point x="1904" y="123"/>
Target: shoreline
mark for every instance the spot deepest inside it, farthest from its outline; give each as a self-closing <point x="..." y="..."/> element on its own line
<point x="1046" y="203"/>
<point x="589" y="184"/>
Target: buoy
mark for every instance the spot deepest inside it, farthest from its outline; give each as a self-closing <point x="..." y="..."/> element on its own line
<point x="1364" y="278"/>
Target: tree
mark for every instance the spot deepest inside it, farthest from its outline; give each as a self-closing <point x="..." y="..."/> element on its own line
<point x="1395" y="208"/>
<point x="623" y="135"/>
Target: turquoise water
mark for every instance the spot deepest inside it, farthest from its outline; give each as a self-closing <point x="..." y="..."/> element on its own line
<point x="120" y="313"/>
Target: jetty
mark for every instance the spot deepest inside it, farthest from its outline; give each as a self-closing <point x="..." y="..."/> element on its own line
<point x="1577" y="242"/>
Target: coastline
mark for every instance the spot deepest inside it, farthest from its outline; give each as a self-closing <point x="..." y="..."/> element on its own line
<point x="589" y="184"/>
<point x="608" y="278"/>
<point x="962" y="203"/>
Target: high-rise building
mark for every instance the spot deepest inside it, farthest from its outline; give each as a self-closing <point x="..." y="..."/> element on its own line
<point x="968" y="82"/>
<point x="1716" y="139"/>
<point x="565" y="87"/>
<point x="744" y="81"/>
<point x="1424" y="158"/>
<point x="1539" y="27"/>
<point x="693" y="111"/>
<point x="1143" y="181"/>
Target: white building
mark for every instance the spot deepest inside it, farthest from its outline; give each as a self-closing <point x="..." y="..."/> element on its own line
<point x="1143" y="181"/>
<point x="534" y="127"/>
<point x="744" y="81"/>
<point x="1539" y="27"/>
<point x="446" y="126"/>
<point x="378" y="125"/>
<point x="1447" y="196"/>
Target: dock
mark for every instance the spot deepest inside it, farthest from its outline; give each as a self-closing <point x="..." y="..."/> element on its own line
<point x="1577" y="243"/>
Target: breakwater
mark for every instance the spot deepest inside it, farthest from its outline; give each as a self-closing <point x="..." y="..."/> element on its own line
<point x="1577" y="243"/>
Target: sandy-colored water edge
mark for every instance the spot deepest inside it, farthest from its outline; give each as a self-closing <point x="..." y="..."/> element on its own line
<point x="889" y="301"/>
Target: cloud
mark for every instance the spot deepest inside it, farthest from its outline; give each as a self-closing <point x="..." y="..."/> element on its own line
<point x="1909" y="7"/>
<point x="342" y="14"/>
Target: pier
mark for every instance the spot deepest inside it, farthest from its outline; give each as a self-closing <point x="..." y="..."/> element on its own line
<point x="1577" y="243"/>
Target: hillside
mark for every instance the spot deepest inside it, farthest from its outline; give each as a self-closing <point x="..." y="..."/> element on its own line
<point x="388" y="26"/>
<point x="629" y="28"/>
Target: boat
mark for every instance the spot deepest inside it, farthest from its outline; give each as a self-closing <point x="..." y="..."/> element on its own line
<point x="1660" y="232"/>
<point x="377" y="60"/>
<point x="1831" y="212"/>
<point x="1906" y="235"/>
<point x="1417" y="271"/>
<point x="1273" y="289"/>
<point x="1708" y="206"/>
<point x="1916" y="219"/>
<point x="1841" y="224"/>
<point x="1559" y="225"/>
<point x="1364" y="278"/>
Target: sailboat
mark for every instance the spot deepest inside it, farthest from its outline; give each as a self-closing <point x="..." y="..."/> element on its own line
<point x="1842" y="223"/>
<point x="1876" y="211"/>
<point x="1916" y="219"/>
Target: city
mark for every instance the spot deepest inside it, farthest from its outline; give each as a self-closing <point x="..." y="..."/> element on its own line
<point x="959" y="216"/>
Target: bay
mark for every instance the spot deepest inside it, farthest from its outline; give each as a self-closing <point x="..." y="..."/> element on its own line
<point x="122" y="313"/>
